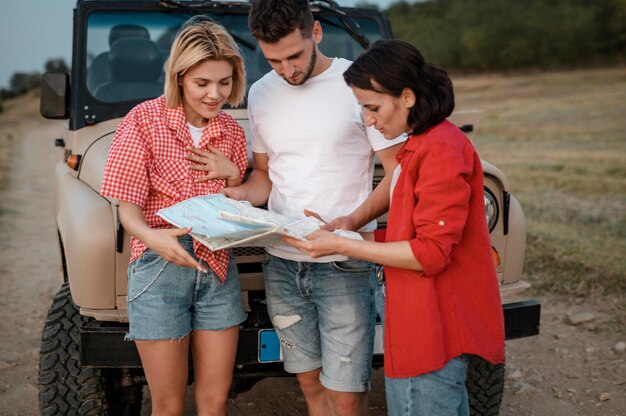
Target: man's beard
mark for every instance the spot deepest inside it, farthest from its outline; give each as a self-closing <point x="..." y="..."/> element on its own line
<point x="309" y="70"/>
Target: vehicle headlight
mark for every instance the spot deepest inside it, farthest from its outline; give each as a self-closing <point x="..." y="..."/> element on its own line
<point x="491" y="209"/>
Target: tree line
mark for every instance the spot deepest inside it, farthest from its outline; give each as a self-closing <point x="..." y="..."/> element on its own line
<point x="484" y="35"/>
<point x="495" y="35"/>
<point x="22" y="82"/>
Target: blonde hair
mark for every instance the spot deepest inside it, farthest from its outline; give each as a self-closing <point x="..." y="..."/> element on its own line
<point x="198" y="40"/>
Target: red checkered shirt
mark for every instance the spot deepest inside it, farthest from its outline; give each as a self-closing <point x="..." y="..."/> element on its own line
<point x="147" y="166"/>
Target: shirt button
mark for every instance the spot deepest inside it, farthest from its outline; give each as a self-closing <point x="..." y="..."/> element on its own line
<point x="442" y="223"/>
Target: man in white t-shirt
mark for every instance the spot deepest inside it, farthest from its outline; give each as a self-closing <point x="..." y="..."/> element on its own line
<point x="312" y="151"/>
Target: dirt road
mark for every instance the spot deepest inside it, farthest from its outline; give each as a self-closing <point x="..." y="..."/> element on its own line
<point x="567" y="370"/>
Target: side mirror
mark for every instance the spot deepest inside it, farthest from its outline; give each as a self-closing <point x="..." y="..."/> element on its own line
<point x="55" y="95"/>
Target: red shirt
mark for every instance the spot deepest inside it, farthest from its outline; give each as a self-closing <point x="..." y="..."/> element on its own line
<point x="147" y="166"/>
<point x="452" y="307"/>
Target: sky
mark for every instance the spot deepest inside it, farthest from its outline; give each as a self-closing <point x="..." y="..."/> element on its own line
<point x="34" y="31"/>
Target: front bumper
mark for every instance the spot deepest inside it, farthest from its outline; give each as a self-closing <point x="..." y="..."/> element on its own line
<point x="103" y="346"/>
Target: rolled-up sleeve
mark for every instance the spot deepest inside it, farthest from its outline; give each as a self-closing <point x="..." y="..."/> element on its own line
<point x="126" y="172"/>
<point x="443" y="193"/>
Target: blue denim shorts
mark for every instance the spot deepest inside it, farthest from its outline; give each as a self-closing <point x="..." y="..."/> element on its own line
<point x="440" y="392"/>
<point x="166" y="301"/>
<point x="324" y="315"/>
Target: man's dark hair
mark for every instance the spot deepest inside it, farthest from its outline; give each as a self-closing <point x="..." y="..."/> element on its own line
<point x="394" y="65"/>
<point x="272" y="20"/>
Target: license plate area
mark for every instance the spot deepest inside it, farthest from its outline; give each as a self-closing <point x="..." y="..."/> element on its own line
<point x="269" y="347"/>
<point x="270" y="351"/>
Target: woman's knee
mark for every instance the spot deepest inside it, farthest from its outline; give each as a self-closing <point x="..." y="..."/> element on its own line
<point x="168" y="406"/>
<point x="211" y="403"/>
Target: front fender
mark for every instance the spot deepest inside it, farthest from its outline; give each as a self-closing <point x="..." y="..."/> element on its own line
<point x="515" y="243"/>
<point x="85" y="223"/>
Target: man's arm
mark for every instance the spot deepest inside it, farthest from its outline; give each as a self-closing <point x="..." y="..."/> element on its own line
<point x="378" y="201"/>
<point x="256" y="189"/>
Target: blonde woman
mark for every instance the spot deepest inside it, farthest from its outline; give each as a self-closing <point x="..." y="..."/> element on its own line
<point x="180" y="294"/>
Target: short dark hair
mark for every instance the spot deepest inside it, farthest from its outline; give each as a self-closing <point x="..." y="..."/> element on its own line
<point x="272" y="20"/>
<point x="394" y="65"/>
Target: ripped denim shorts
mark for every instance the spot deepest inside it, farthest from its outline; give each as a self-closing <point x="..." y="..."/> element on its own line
<point x="324" y="315"/>
<point x="166" y="301"/>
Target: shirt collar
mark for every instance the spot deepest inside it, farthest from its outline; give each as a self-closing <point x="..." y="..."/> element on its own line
<point x="175" y="117"/>
<point x="175" y="120"/>
<point x="413" y="142"/>
<point x="410" y="145"/>
<point x="213" y="128"/>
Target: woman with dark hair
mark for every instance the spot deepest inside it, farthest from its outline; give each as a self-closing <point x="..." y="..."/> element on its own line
<point x="442" y="301"/>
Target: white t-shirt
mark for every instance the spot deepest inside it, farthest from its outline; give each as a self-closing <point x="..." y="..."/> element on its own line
<point x="196" y="133"/>
<point x="321" y="155"/>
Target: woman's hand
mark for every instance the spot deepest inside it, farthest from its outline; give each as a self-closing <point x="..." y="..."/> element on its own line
<point x="215" y="163"/>
<point x="318" y="244"/>
<point x="165" y="243"/>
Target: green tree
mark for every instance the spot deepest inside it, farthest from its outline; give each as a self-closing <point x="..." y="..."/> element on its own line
<point x="489" y="35"/>
<point x="56" y="65"/>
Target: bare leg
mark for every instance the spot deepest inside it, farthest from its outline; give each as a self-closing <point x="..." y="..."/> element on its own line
<point x="323" y="402"/>
<point x="165" y="364"/>
<point x="214" y="358"/>
<point x="314" y="393"/>
<point x="347" y="404"/>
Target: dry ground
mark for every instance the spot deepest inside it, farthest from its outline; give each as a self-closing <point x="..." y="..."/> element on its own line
<point x="567" y="370"/>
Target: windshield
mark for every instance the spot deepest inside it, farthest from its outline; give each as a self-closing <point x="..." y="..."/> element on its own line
<point x="126" y="51"/>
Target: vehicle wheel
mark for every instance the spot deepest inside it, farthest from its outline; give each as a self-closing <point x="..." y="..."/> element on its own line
<point x="67" y="389"/>
<point x="485" y="386"/>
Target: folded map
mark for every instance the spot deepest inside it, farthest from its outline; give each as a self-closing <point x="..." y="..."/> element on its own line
<point x="219" y="222"/>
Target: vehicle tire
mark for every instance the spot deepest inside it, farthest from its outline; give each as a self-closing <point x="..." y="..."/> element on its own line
<point x="485" y="386"/>
<point x="67" y="389"/>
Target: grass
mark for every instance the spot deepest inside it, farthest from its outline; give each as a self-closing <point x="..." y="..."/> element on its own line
<point x="561" y="140"/>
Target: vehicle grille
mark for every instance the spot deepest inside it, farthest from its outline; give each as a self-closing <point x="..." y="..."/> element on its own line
<point x="248" y="251"/>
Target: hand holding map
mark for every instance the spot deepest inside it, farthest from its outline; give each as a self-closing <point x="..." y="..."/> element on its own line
<point x="219" y="222"/>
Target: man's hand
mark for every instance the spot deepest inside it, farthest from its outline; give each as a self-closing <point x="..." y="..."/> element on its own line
<point x="165" y="243"/>
<point x="344" y="223"/>
<point x="215" y="163"/>
<point x="326" y="226"/>
<point x="236" y="192"/>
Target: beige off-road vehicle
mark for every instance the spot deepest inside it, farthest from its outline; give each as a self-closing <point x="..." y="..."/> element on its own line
<point x="119" y="48"/>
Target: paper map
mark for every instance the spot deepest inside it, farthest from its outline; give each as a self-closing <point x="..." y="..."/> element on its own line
<point x="219" y="222"/>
